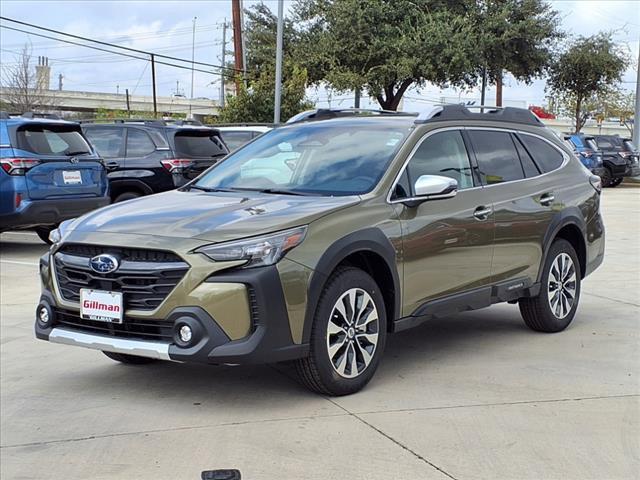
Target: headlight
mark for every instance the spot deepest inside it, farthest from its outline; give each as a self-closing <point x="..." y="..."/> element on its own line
<point x="257" y="251"/>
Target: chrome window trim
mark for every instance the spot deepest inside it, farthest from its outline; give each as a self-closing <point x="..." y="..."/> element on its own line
<point x="498" y="129"/>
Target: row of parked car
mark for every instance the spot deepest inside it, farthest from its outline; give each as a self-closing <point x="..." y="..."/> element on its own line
<point x="53" y="170"/>
<point x="610" y="157"/>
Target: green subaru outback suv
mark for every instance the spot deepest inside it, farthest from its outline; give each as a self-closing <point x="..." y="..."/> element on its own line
<point x="318" y="239"/>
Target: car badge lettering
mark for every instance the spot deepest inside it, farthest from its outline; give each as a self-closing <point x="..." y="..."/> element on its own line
<point x="104" y="263"/>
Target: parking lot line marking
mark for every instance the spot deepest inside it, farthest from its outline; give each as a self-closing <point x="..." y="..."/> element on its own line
<point x="33" y="234"/>
<point x="18" y="262"/>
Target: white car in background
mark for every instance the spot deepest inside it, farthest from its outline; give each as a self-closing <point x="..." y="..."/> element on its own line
<point x="236" y="135"/>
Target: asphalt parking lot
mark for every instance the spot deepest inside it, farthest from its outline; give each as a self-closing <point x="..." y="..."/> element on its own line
<point x="473" y="396"/>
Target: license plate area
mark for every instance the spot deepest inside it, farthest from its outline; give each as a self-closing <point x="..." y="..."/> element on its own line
<point x="72" y="177"/>
<point x="101" y="305"/>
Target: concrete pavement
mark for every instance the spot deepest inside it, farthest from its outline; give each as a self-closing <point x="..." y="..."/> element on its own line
<point x="475" y="396"/>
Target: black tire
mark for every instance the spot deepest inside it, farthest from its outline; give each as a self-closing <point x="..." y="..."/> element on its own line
<point x="615" y="182"/>
<point x="537" y="311"/>
<point x="43" y="233"/>
<point x="123" y="197"/>
<point x="129" y="359"/>
<point x="317" y="371"/>
<point x="606" y="177"/>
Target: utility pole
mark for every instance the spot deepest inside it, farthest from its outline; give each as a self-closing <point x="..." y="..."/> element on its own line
<point x="193" y="52"/>
<point x="223" y="60"/>
<point x="237" y="40"/>
<point x="484" y="86"/>
<point x="636" y="116"/>
<point x="499" y="89"/>
<point x="126" y="92"/>
<point x="356" y="102"/>
<point x="244" y="45"/>
<point x="276" y="110"/>
<point x="60" y="77"/>
<point x="153" y="82"/>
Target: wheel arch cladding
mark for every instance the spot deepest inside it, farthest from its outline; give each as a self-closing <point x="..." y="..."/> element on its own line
<point x="369" y="250"/>
<point x="570" y="226"/>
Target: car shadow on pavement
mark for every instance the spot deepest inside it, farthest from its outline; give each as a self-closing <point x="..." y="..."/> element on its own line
<point x="430" y="345"/>
<point x="9" y="248"/>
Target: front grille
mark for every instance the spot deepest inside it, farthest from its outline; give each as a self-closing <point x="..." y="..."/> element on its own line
<point x="130" y="328"/>
<point x="145" y="277"/>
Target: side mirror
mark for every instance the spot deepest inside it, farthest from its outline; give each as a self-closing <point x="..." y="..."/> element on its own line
<point x="432" y="187"/>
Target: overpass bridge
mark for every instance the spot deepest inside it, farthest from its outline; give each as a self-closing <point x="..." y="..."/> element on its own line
<point x="75" y="101"/>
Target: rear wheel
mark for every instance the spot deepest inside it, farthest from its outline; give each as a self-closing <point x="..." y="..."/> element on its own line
<point x="348" y="335"/>
<point x="606" y="177"/>
<point x="556" y="304"/>
<point x="126" y="196"/>
<point x="129" y="359"/>
<point x="43" y="233"/>
<point x="616" y="181"/>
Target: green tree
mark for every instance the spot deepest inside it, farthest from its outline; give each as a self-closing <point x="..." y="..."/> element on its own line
<point x="517" y="36"/>
<point x="589" y="68"/>
<point x="256" y="103"/>
<point x="385" y="46"/>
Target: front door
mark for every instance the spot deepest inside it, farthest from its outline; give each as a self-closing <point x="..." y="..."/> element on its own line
<point x="448" y="243"/>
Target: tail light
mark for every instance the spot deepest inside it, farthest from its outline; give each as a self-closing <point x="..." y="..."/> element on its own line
<point x="18" y="166"/>
<point x="596" y="183"/>
<point x="176" y="165"/>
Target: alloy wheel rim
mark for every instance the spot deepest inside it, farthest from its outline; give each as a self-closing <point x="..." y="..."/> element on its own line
<point x="352" y="333"/>
<point x="562" y="286"/>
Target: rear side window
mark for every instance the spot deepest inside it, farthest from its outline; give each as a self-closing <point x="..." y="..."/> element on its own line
<point x="109" y="142"/>
<point x="528" y="165"/>
<point x="51" y="140"/>
<point x="497" y="156"/>
<point x="546" y="157"/>
<point x="201" y="144"/>
<point x="235" y="140"/>
<point x="139" y="143"/>
<point x="442" y="154"/>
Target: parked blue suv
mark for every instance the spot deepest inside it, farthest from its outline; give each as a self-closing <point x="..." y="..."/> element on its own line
<point x="48" y="173"/>
<point x="586" y="149"/>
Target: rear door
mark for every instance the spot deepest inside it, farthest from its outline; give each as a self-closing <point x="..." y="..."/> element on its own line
<point x="68" y="166"/>
<point x="109" y="143"/>
<point x="523" y="200"/>
<point x="203" y="147"/>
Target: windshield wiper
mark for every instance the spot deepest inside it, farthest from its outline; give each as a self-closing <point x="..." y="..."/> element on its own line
<point x="73" y="154"/>
<point x="279" y="191"/>
<point x="207" y="189"/>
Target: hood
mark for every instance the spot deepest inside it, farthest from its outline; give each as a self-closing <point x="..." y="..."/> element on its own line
<point x="215" y="217"/>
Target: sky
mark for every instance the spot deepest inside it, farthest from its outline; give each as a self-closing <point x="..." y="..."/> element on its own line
<point x="166" y="26"/>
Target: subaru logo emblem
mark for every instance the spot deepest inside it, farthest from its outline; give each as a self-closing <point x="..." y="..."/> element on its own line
<point x="104" y="263"/>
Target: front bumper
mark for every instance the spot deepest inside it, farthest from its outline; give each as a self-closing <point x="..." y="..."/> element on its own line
<point x="268" y="339"/>
<point x="51" y="212"/>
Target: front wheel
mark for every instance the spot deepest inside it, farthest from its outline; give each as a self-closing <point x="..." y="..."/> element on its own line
<point x="556" y="304"/>
<point x="606" y="177"/>
<point x="348" y="335"/>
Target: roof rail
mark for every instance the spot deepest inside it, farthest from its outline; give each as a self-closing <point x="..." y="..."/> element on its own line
<point x="241" y="124"/>
<point x="443" y="113"/>
<point x="145" y="121"/>
<point x="326" y="113"/>
<point x="50" y="116"/>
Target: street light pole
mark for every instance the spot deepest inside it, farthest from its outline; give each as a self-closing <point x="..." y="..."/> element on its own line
<point x="636" y="117"/>
<point x="193" y="50"/>
<point x="278" y="89"/>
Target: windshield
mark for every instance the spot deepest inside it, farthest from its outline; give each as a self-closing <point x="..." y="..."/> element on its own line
<point x="52" y="140"/>
<point x="312" y="158"/>
<point x="193" y="144"/>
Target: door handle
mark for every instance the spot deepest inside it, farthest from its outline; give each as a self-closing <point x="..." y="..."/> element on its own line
<point x="482" y="212"/>
<point x="547" y="199"/>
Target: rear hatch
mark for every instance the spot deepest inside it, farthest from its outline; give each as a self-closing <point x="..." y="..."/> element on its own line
<point x="202" y="146"/>
<point x="67" y="164"/>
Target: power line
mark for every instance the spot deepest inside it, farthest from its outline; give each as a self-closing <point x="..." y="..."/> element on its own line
<point x="99" y="42"/>
<point x="121" y="53"/>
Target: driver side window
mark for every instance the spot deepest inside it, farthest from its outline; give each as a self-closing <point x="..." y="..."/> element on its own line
<point x="443" y="154"/>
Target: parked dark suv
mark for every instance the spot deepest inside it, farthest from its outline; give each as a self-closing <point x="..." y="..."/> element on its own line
<point x="151" y="156"/>
<point x="384" y="221"/>
<point x="618" y="158"/>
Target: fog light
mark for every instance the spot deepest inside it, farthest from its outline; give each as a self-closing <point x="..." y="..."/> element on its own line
<point x="43" y="316"/>
<point x="185" y="333"/>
